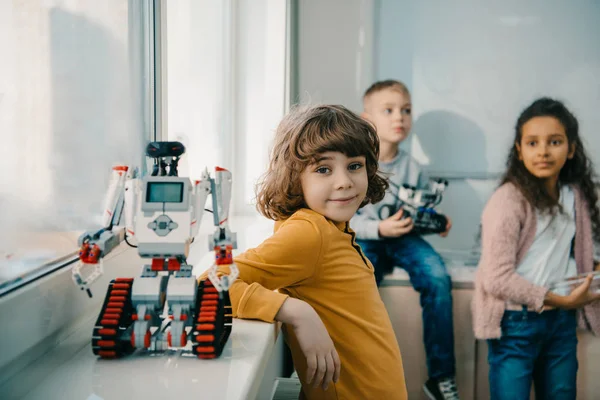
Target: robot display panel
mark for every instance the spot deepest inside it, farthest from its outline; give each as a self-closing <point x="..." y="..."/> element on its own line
<point x="164" y="192"/>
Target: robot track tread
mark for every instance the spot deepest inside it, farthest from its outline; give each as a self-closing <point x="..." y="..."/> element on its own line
<point x="213" y="320"/>
<point x="114" y="320"/>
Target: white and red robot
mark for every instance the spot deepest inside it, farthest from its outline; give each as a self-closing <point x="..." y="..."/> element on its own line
<point x="165" y="306"/>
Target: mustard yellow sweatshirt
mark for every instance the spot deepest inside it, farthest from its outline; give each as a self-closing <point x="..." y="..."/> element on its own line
<point x="316" y="260"/>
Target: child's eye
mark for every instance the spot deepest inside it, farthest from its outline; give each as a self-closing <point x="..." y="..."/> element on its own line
<point x="323" y="170"/>
<point x="387" y="111"/>
<point x="556" y="142"/>
<point x="406" y="111"/>
<point x="531" y="143"/>
<point x="355" y="166"/>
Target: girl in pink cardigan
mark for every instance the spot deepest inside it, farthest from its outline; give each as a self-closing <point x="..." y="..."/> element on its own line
<point x="538" y="228"/>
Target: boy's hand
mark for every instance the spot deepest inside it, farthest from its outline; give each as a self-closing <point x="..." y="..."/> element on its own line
<point x="322" y="359"/>
<point x="395" y="226"/>
<point x="448" y="227"/>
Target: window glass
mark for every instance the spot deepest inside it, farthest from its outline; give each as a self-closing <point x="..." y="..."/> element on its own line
<point x="72" y="97"/>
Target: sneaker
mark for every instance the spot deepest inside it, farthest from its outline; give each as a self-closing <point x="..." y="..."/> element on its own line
<point x="441" y="389"/>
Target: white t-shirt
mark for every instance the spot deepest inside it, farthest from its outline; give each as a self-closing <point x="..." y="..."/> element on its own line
<point x="549" y="259"/>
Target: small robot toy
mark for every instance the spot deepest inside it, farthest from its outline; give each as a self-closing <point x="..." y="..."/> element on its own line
<point x="420" y="205"/>
<point x="165" y="306"/>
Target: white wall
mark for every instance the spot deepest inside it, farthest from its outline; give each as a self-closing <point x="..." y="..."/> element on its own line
<point x="226" y="86"/>
<point x="335" y="51"/>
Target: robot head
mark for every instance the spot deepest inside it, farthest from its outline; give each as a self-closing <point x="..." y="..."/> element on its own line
<point x="164" y="149"/>
<point x="165" y="154"/>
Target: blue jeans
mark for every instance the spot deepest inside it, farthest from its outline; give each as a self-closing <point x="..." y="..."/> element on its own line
<point x="430" y="278"/>
<point x="534" y="347"/>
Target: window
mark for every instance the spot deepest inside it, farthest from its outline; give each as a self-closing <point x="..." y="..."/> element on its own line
<point x="74" y="89"/>
<point x="227" y="64"/>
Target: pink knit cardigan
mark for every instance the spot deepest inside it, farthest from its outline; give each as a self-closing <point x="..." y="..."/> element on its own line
<point x="508" y="230"/>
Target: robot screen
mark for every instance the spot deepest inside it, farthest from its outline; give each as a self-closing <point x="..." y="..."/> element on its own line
<point x="164" y="192"/>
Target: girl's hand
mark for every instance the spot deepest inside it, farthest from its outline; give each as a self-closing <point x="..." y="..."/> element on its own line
<point x="323" y="362"/>
<point x="579" y="297"/>
<point x="395" y="226"/>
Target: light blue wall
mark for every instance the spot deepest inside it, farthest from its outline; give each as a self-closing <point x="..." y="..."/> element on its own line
<point x="472" y="67"/>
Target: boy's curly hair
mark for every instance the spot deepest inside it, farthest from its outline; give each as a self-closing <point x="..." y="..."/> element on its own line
<point x="302" y="135"/>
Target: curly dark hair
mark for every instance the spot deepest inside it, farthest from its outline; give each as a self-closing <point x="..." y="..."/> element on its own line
<point x="578" y="170"/>
<point x="304" y="134"/>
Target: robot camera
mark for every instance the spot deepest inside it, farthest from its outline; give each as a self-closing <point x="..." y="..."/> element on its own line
<point x="165" y="149"/>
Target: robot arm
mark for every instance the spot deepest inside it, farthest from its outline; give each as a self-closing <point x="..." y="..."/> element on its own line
<point x="202" y="189"/>
<point x="438" y="187"/>
<point x="132" y="189"/>
<point x="221" y="196"/>
<point x="94" y="245"/>
<point x="223" y="241"/>
<point x="114" y="196"/>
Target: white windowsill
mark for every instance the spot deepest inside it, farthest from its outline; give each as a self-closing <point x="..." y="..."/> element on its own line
<point x="47" y="329"/>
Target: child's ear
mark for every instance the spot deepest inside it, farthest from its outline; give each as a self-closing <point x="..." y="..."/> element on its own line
<point x="365" y="115"/>
<point x="518" y="147"/>
<point x="572" y="149"/>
